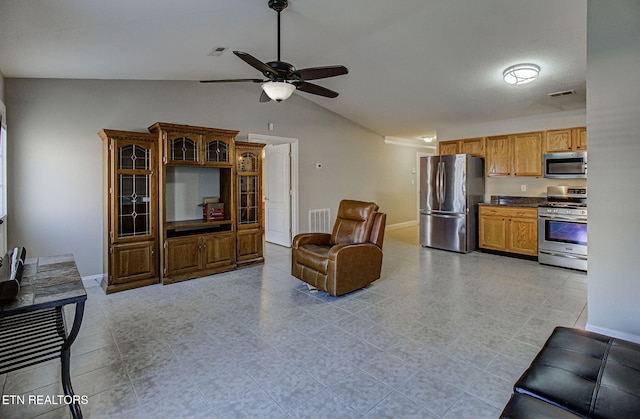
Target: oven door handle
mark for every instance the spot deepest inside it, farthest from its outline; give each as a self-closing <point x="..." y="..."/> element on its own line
<point x="561" y="218"/>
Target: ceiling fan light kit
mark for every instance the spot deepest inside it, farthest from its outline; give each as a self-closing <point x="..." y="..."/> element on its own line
<point x="278" y="90"/>
<point x="283" y="78"/>
<point x="521" y="73"/>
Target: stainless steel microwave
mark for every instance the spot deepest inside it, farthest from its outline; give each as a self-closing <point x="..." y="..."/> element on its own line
<point x="567" y="165"/>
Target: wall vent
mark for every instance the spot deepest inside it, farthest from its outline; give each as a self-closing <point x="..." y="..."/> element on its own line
<point x="562" y="93"/>
<point x="320" y="221"/>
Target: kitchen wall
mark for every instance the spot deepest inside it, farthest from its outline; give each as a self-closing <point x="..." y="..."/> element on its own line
<point x="512" y="186"/>
<point x="613" y="110"/>
<point x="55" y="190"/>
<point x="1" y="87"/>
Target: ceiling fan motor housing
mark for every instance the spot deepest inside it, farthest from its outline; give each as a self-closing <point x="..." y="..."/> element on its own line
<point x="278" y="5"/>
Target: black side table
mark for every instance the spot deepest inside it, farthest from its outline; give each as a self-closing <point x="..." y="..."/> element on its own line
<point x="33" y="327"/>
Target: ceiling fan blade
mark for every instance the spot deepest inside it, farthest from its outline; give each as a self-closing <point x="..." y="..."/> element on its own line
<point x="233" y="81"/>
<point x="315" y="89"/>
<point x="264" y="97"/>
<point x="256" y="63"/>
<point x="314" y="73"/>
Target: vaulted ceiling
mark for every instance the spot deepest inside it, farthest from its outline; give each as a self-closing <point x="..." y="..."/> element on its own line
<point x="415" y="66"/>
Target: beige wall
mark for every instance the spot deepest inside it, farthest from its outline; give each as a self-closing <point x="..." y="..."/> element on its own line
<point x="613" y="121"/>
<point x="55" y="195"/>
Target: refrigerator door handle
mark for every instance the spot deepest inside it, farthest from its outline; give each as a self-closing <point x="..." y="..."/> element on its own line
<point x="443" y="183"/>
<point x="438" y="183"/>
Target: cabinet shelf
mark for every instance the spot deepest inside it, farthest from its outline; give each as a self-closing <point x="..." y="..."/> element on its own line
<point x="192" y="224"/>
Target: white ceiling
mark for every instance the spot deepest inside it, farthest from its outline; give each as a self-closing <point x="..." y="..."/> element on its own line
<point x="414" y="65"/>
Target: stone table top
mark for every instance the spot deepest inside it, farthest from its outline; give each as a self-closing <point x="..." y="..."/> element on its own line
<point x="48" y="281"/>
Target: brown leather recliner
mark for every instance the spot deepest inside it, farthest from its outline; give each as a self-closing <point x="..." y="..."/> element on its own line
<point x="346" y="260"/>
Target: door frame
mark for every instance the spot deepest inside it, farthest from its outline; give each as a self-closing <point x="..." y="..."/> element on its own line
<point x="272" y="139"/>
<point x="418" y="178"/>
<point x="3" y="179"/>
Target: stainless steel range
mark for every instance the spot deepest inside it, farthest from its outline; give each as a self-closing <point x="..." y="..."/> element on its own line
<point x="562" y="227"/>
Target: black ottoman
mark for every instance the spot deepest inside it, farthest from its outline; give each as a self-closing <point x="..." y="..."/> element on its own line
<point x="583" y="373"/>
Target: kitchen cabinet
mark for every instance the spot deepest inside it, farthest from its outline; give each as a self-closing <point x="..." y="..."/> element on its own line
<point x="569" y="139"/>
<point x="130" y="212"/>
<point x="509" y="229"/>
<point x="249" y="195"/>
<point x="527" y="154"/>
<point x="448" y="147"/>
<point x="498" y="155"/>
<point x="514" y="155"/>
<point x="473" y="146"/>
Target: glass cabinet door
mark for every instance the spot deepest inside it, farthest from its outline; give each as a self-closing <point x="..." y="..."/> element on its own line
<point x="248" y="188"/>
<point x="216" y="151"/>
<point x="248" y="162"/>
<point x="249" y="199"/>
<point x="133" y="191"/>
<point x="183" y="149"/>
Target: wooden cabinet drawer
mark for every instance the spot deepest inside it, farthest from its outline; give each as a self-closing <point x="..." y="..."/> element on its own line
<point x="509" y="212"/>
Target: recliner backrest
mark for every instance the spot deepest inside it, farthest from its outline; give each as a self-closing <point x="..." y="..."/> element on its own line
<point x="354" y="222"/>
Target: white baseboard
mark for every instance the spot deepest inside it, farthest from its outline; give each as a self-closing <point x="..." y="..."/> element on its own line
<point x="401" y="225"/>
<point x="613" y="333"/>
<point x="92" y="280"/>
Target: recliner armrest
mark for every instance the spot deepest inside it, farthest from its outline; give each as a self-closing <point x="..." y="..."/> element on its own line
<point x="323" y="239"/>
<point x="359" y="251"/>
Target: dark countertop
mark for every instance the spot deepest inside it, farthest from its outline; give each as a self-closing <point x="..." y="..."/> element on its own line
<point x="516" y="201"/>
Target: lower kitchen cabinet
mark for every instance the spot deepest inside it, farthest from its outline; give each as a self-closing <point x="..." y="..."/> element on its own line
<point x="509" y="229"/>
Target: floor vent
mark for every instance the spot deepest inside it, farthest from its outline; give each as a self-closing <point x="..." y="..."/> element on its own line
<point x="319" y="221"/>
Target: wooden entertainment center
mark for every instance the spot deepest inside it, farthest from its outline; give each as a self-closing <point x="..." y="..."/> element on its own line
<point x="155" y="229"/>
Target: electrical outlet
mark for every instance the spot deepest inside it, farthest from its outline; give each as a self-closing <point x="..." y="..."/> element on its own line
<point x="523" y="188"/>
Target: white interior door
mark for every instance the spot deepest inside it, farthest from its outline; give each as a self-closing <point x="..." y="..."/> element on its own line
<point x="277" y="194"/>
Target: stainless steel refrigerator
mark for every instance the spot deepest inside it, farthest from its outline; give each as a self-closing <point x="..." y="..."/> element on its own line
<point x="451" y="186"/>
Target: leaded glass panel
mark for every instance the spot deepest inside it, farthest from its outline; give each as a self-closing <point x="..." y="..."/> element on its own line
<point x="133" y="157"/>
<point x="184" y="149"/>
<point x="134" y="205"/>
<point x="248" y="208"/>
<point x="248" y="162"/>
<point x="217" y="151"/>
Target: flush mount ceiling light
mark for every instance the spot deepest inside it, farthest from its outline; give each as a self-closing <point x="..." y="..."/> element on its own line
<point x="278" y="90"/>
<point x="521" y="73"/>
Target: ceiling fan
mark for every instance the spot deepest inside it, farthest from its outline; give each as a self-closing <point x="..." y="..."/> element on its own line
<point x="283" y="78"/>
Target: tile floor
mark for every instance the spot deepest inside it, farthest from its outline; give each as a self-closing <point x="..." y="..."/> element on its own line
<point x="441" y="335"/>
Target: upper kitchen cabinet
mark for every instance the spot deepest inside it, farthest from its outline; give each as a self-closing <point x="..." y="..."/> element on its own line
<point x="498" y="152"/>
<point x="568" y="139"/>
<point x="473" y="146"/>
<point x="186" y="145"/>
<point x="448" y="147"/>
<point x="527" y="154"/>
<point x="514" y="155"/>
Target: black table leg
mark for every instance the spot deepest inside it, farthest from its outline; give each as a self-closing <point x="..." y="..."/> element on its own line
<point x="66" y="361"/>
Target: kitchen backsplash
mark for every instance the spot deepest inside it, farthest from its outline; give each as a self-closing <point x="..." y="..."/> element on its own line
<point x="512" y="186"/>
